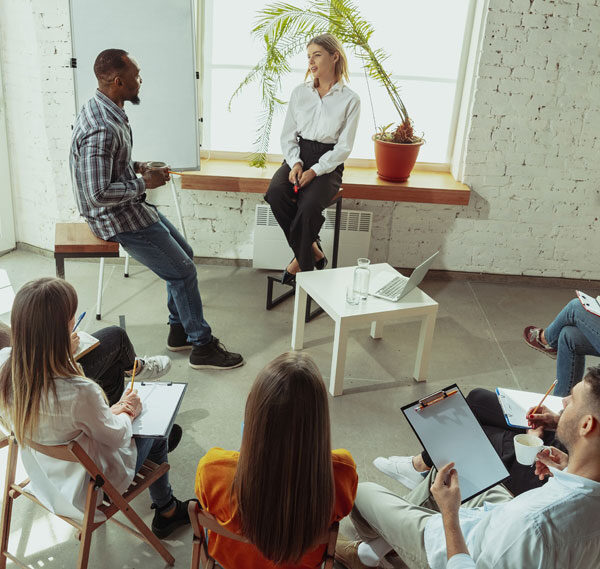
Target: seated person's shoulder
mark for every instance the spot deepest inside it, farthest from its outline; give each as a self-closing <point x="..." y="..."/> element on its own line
<point x="214" y="477"/>
<point x="342" y="459"/>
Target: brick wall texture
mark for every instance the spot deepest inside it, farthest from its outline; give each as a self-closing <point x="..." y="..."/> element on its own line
<point x="532" y="160"/>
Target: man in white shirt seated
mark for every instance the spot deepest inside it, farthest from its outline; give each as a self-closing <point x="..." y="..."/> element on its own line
<point x="557" y="525"/>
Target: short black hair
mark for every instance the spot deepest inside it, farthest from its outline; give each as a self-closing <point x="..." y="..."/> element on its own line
<point x="108" y="63"/>
<point x="592" y="378"/>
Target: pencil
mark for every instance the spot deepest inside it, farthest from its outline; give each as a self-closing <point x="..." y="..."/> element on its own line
<point x="544" y="398"/>
<point x="133" y="374"/>
<point x="178" y="173"/>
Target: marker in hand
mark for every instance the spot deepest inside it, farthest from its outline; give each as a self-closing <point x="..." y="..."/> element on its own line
<point x="78" y="321"/>
<point x="296" y="186"/>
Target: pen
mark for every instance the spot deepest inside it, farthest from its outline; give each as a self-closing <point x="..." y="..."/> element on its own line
<point x="544" y="398"/>
<point x="133" y="374"/>
<point x="296" y="185"/>
<point x="78" y="321"/>
<point x="178" y="173"/>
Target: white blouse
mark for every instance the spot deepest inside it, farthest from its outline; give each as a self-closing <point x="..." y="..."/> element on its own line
<point x="79" y="413"/>
<point x="332" y="119"/>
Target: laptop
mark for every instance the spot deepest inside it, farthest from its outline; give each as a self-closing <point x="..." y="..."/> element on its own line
<point x="393" y="287"/>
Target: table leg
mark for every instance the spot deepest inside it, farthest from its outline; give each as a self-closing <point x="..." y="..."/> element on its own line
<point x="424" y="348"/>
<point x="338" y="359"/>
<point x="299" y="310"/>
<point x="376" y="329"/>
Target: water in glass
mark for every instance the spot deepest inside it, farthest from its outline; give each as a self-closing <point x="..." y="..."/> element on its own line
<point x="362" y="275"/>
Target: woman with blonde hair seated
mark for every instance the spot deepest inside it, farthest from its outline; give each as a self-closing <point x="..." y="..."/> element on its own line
<point x="285" y="487"/>
<point x="317" y="137"/>
<point x="45" y="398"/>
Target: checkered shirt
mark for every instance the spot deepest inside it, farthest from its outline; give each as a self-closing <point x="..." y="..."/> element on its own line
<point x="108" y="193"/>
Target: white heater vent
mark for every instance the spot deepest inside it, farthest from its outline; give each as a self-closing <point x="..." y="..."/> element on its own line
<point x="271" y="250"/>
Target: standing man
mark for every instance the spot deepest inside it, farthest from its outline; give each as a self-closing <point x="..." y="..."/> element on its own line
<point x="113" y="201"/>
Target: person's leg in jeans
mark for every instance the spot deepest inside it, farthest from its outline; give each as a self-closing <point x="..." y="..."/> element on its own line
<point x="156" y="451"/>
<point x="159" y="247"/>
<point x="107" y="363"/>
<point x="575" y="333"/>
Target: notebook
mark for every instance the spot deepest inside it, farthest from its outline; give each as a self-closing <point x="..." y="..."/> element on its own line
<point x="394" y="286"/>
<point x="450" y="432"/>
<point x="160" y="404"/>
<point x="588" y="302"/>
<point x="515" y="405"/>
<point x="87" y="343"/>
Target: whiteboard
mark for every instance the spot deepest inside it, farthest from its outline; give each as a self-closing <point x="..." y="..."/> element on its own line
<point x="450" y="432"/>
<point x="160" y="36"/>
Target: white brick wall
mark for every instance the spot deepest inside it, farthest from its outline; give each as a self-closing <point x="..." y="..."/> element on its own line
<point x="533" y="155"/>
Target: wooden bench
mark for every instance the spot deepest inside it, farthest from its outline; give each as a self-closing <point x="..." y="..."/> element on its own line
<point x="76" y="240"/>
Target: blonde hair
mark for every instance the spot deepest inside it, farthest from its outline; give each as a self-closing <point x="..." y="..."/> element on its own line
<point x="41" y="352"/>
<point x="332" y="45"/>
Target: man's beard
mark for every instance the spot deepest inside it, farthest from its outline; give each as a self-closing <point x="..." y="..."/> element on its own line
<point x="135" y="100"/>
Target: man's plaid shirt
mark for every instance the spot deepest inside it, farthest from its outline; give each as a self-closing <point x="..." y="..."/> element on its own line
<point x="107" y="191"/>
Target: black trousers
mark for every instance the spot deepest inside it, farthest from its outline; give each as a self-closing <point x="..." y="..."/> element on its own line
<point x="487" y="409"/>
<point x="300" y="215"/>
<point x="107" y="363"/>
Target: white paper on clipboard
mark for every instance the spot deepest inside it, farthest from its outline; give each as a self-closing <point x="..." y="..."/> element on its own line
<point x="588" y="302"/>
<point x="160" y="404"/>
<point x="515" y="405"/>
<point x="449" y="432"/>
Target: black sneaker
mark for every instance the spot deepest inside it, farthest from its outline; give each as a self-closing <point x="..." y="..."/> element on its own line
<point x="177" y="340"/>
<point x="214" y="355"/>
<point x="174" y="437"/>
<point x="163" y="527"/>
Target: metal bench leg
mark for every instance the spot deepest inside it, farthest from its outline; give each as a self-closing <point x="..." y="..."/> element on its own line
<point x="60" y="265"/>
<point x="272" y="302"/>
<point x="336" y="233"/>
<point x="99" y="298"/>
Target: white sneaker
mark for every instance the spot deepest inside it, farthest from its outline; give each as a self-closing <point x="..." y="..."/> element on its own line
<point x="153" y="367"/>
<point x="400" y="468"/>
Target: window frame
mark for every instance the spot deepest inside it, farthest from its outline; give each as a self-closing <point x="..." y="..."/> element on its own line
<point x="463" y="93"/>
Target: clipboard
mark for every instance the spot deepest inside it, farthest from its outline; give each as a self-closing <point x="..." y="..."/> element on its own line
<point x="450" y="432"/>
<point x="589" y="303"/>
<point x="515" y="405"/>
<point x="160" y="405"/>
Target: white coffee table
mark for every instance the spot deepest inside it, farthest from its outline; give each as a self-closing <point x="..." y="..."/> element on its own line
<point x="328" y="289"/>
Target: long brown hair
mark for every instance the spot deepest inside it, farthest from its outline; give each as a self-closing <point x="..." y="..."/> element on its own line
<point x="41" y="352"/>
<point x="332" y="45"/>
<point x="284" y="479"/>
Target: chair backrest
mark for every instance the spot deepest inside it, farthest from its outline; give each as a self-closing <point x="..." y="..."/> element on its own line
<point x="60" y="452"/>
<point x="201" y="520"/>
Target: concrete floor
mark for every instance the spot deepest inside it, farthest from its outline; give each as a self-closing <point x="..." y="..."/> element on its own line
<point x="477" y="343"/>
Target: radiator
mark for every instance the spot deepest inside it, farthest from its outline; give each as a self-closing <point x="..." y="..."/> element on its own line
<point x="271" y="250"/>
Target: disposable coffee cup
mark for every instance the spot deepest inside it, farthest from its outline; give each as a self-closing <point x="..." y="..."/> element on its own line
<point x="527" y="447"/>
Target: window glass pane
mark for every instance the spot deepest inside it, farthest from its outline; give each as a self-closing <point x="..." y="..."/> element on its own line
<point x="423" y="39"/>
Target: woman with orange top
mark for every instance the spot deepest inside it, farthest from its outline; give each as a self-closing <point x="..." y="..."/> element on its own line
<point x="285" y="487"/>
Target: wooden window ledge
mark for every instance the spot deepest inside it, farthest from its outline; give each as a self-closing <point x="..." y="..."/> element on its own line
<point x="358" y="183"/>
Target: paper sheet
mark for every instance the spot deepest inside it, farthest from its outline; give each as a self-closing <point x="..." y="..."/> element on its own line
<point x="160" y="403"/>
<point x="588" y="302"/>
<point x="449" y="432"/>
<point x="87" y="343"/>
<point x="515" y="404"/>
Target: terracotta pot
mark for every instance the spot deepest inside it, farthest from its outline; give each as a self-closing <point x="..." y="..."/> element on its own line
<point x="395" y="161"/>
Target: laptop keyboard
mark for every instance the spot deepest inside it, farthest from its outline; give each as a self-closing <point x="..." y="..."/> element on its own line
<point x="394" y="288"/>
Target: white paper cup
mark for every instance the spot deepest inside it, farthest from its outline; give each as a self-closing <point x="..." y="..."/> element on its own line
<point x="527" y="448"/>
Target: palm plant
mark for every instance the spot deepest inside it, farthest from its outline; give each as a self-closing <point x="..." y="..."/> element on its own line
<point x="285" y="30"/>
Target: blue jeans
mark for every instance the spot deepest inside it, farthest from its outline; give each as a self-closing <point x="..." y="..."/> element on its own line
<point x="156" y="451"/>
<point x="575" y="333"/>
<point x="162" y="249"/>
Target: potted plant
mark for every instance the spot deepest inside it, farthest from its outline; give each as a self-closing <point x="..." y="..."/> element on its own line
<point x="285" y="30"/>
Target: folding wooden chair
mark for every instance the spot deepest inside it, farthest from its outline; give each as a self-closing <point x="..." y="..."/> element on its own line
<point x="72" y="452"/>
<point x="201" y="521"/>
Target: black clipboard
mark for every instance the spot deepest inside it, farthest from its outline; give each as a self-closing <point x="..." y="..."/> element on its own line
<point x="449" y="431"/>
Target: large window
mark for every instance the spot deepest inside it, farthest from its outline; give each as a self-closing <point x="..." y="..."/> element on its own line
<point x="424" y="39"/>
